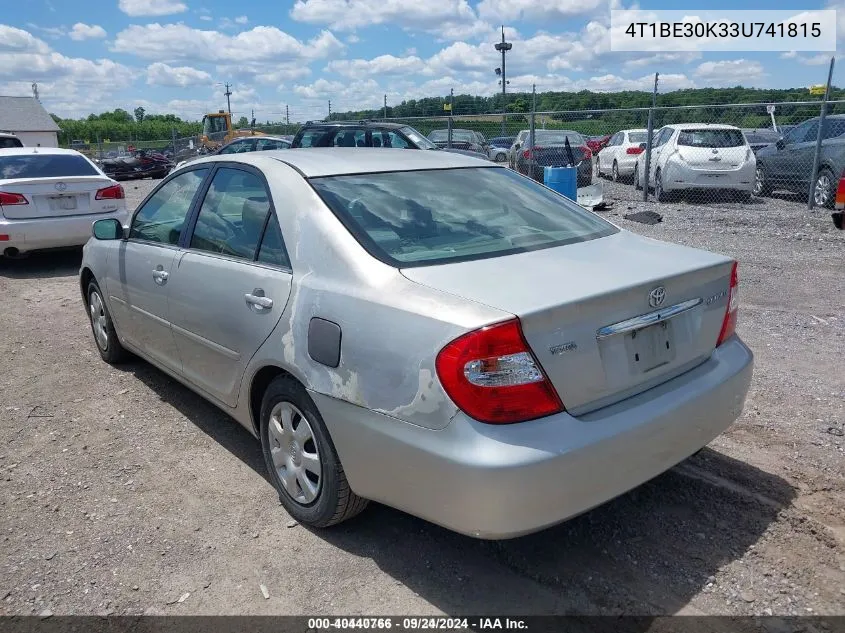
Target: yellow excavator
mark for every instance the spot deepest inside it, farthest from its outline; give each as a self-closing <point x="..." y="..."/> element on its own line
<point x="217" y="130"/>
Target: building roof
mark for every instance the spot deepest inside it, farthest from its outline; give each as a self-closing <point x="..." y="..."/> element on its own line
<point x="25" y="114"/>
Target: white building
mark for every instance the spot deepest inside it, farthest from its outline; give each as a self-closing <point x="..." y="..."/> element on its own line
<point x="27" y="119"/>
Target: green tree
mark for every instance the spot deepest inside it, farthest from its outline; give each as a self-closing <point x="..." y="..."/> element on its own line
<point x="243" y="122"/>
<point x="139" y="114"/>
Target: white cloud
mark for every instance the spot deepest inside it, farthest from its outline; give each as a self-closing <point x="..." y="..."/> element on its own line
<point x="534" y="9"/>
<point x="20" y="41"/>
<point x="275" y="75"/>
<point x="206" y="18"/>
<point x="382" y="65"/>
<point x="822" y="59"/>
<point x="731" y="73"/>
<point x="241" y="19"/>
<point x="53" y="32"/>
<point x="82" y="31"/>
<point x="169" y="42"/>
<point x="352" y="38"/>
<point x="661" y="59"/>
<point x="351" y="14"/>
<point x="159" y="74"/>
<point x="140" y="8"/>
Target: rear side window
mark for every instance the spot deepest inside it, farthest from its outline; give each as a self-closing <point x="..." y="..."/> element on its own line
<point x="45" y="166"/>
<point x="313" y="137"/>
<point x="350" y="138"/>
<point x="232" y="215"/>
<point x="272" y="250"/>
<point x="418" y="218"/>
<point x="711" y="138"/>
<point x="6" y="142"/>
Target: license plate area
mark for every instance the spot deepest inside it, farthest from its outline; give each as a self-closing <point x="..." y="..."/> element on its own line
<point x="650" y="347"/>
<point x="62" y="203"/>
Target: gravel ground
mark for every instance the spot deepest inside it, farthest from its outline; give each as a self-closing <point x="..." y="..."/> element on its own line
<point x="123" y="492"/>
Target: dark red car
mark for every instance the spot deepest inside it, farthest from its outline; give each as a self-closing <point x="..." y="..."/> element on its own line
<point x="597" y="143"/>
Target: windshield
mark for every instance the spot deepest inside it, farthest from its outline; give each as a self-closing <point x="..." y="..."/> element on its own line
<point x="418" y="218"/>
<point x="637" y="137"/>
<point x="213" y="125"/>
<point x="417" y="139"/>
<point x="711" y="138"/>
<point x="45" y="166"/>
<point x="558" y="136"/>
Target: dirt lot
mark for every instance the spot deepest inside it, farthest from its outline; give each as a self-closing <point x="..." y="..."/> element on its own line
<point x="123" y="492"/>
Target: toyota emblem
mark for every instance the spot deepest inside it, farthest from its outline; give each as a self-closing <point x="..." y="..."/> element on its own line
<point x="656" y="297"/>
<point x="60" y="186"/>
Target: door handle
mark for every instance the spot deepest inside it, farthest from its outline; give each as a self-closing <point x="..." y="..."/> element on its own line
<point x="160" y="276"/>
<point x="259" y="302"/>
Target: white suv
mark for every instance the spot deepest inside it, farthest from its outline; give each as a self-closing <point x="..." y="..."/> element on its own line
<point x="689" y="156"/>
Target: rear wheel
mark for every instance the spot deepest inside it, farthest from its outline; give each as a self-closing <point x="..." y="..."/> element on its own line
<point x="102" y="327"/>
<point x="501" y="157"/>
<point x="637" y="185"/>
<point x="301" y="458"/>
<point x="761" y="183"/>
<point x="824" y="192"/>
<point x="659" y="193"/>
<point x="614" y="172"/>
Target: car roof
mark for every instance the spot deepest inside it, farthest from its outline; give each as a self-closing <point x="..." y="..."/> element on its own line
<point x="9" y="134"/>
<point x="372" y="124"/>
<point x="698" y="126"/>
<point x="37" y="150"/>
<point x="313" y="162"/>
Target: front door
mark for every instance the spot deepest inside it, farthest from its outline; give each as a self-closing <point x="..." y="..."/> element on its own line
<point x="229" y="289"/>
<point x="138" y="276"/>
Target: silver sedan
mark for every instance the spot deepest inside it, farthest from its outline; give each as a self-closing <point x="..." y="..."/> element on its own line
<point x="426" y="330"/>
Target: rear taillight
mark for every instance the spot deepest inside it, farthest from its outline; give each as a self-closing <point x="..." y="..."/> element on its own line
<point x="840" y="194"/>
<point x="729" y="322"/>
<point x="493" y="377"/>
<point x="9" y="199"/>
<point x="588" y="153"/>
<point x="634" y="150"/>
<point x="115" y="192"/>
<point x="529" y="153"/>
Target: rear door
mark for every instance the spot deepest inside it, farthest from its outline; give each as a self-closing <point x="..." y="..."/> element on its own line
<point x="230" y="285"/>
<point x="138" y="276"/>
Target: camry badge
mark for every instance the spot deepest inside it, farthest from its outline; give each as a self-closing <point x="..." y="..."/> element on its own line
<point x="656" y="297"/>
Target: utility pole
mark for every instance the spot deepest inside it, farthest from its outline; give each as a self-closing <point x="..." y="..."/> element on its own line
<point x="287" y="114"/>
<point x="649" y="134"/>
<point x="385" y="106"/>
<point x="330" y="108"/>
<point x="228" y="94"/>
<point x="35" y="92"/>
<point x="503" y="47"/>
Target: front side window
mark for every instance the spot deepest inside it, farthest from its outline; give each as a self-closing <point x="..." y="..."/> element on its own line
<point x="313" y="137"/>
<point x="233" y="213"/>
<point x="162" y="218"/>
<point x="390" y="139"/>
<point x="418" y="218"/>
<point x="264" y="144"/>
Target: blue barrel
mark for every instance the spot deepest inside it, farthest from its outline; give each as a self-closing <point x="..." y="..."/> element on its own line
<point x="564" y="180"/>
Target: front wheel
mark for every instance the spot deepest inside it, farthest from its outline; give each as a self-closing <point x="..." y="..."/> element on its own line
<point x="102" y="327"/>
<point x="659" y="193"/>
<point x="614" y="172"/>
<point x="637" y="184"/>
<point x="301" y="458"/>
<point x="761" y="183"/>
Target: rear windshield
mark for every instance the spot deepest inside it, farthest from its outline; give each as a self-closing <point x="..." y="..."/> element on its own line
<point x="418" y="218"/>
<point x="6" y="142"/>
<point x="45" y="166"/>
<point x="637" y="137"/>
<point x="558" y="136"/>
<point x="711" y="138"/>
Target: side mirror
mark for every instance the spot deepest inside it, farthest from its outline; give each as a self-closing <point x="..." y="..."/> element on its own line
<point x="107" y="229"/>
<point x="780" y="143"/>
<point x="837" y="220"/>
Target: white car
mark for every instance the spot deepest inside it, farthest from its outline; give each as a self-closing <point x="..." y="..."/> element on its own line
<point x="50" y="197"/>
<point x="688" y="156"/>
<point x="618" y="158"/>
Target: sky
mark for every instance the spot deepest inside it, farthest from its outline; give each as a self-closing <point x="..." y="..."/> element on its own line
<point x="293" y="56"/>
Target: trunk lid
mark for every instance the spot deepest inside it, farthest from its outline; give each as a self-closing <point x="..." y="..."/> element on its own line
<point x="568" y="297"/>
<point x="714" y="158"/>
<point x="57" y="197"/>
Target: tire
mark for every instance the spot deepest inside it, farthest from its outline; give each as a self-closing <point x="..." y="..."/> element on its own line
<point x="659" y="194"/>
<point x="501" y="157"/>
<point x="637" y="185"/>
<point x="329" y="500"/>
<point x="824" y="191"/>
<point x="761" y="183"/>
<point x="102" y="327"/>
<point x="614" y="172"/>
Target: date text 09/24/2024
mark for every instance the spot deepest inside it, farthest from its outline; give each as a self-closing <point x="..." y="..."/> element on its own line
<point x="316" y="625"/>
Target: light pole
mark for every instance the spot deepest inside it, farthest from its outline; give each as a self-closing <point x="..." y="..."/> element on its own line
<point x="503" y="47"/>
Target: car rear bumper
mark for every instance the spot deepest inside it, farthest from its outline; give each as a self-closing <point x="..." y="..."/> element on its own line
<point x="497" y="482"/>
<point x="56" y="232"/>
<point x="677" y="176"/>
